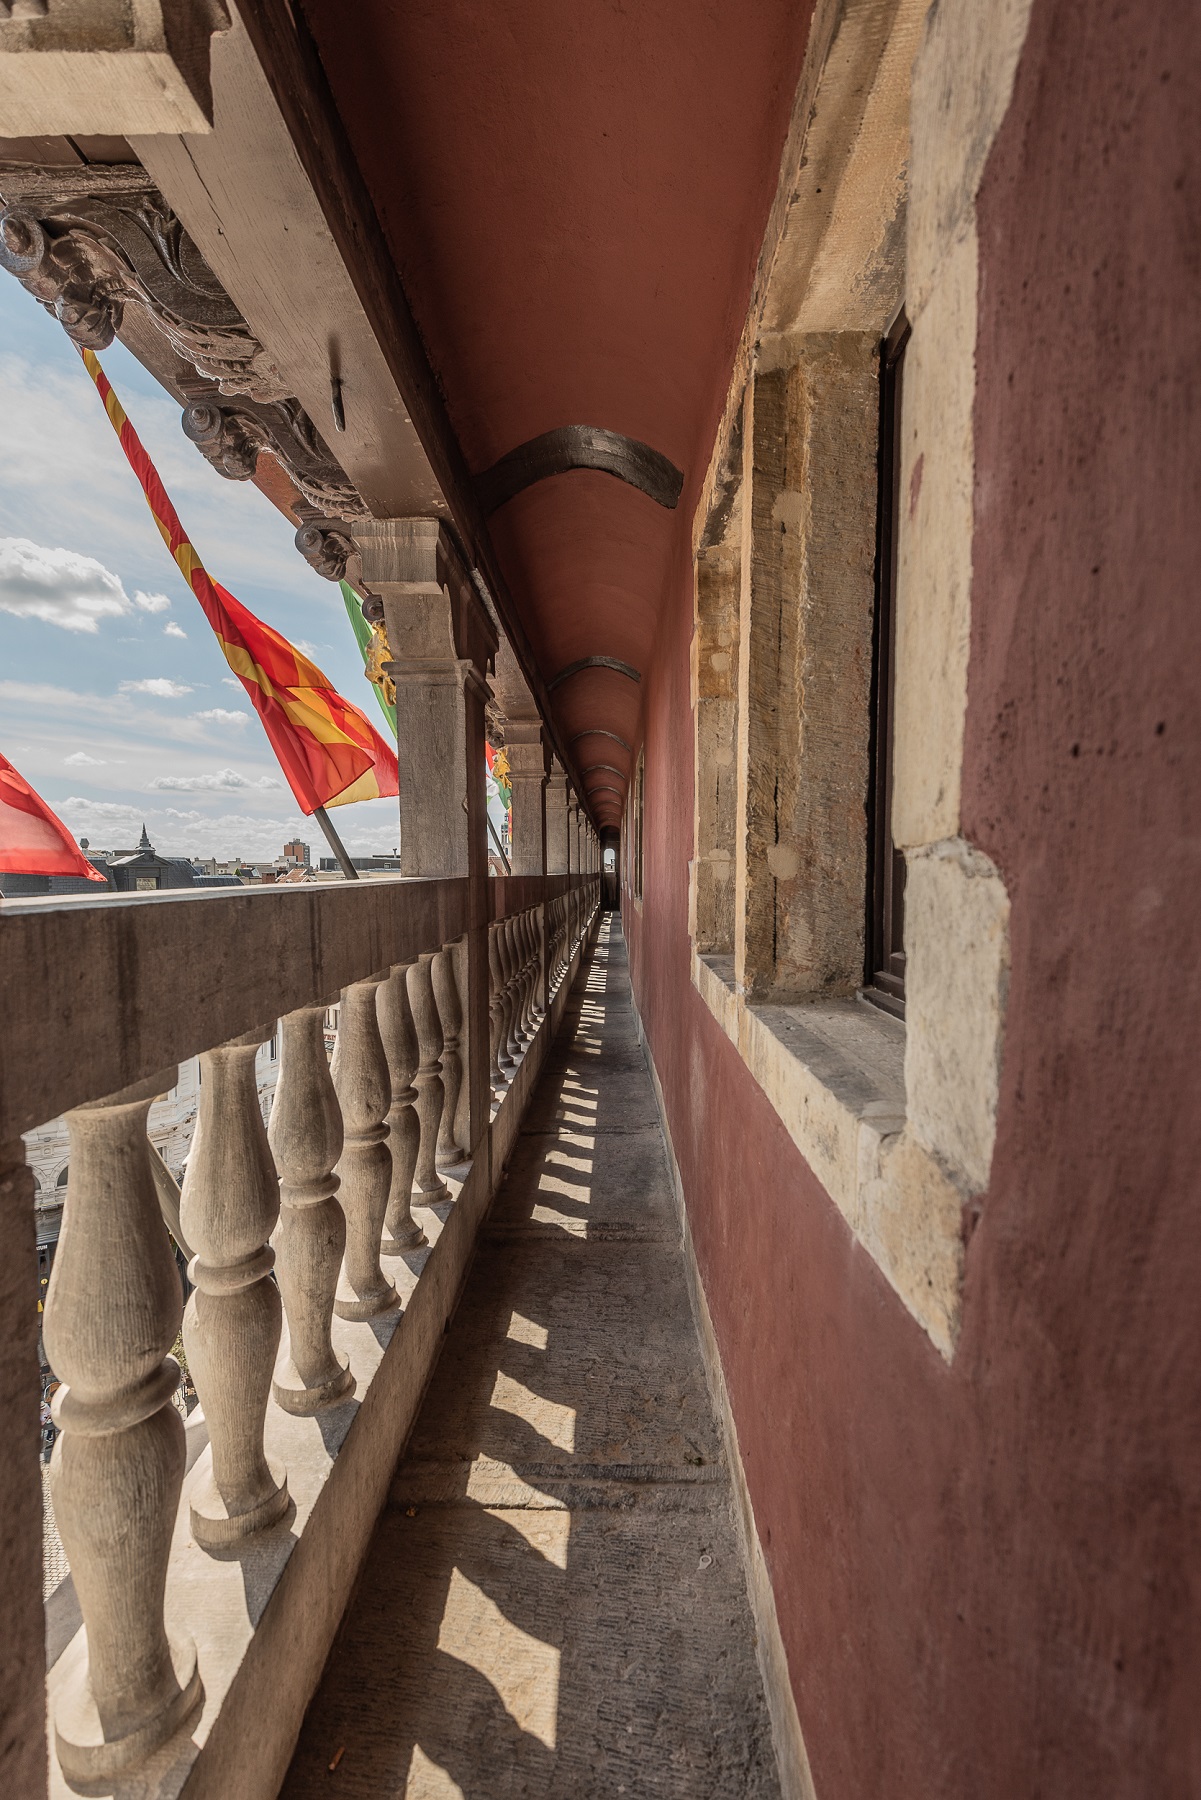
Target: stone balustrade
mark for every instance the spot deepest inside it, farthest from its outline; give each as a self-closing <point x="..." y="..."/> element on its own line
<point x="300" y="1235"/>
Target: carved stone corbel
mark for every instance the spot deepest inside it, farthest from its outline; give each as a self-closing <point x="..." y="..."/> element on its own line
<point x="327" y="547"/>
<point x="88" y="259"/>
<point x="91" y="260"/>
<point x="232" y="436"/>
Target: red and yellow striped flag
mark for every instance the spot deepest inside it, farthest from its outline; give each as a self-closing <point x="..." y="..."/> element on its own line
<point x="327" y="749"/>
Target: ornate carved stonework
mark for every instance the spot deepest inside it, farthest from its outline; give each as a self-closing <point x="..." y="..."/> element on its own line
<point x="87" y="260"/>
<point x="325" y="547"/>
<point x="231" y="437"/>
<point x="91" y="259"/>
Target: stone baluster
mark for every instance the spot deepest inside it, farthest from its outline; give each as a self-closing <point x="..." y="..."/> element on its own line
<point x="530" y="983"/>
<point x="553" y="917"/>
<point x="399" y="1034"/>
<point x="542" y="971"/>
<point x="513" y="1021"/>
<point x="428" y="1080"/>
<point x="537" y="938"/>
<point x="229" y="1205"/>
<point x="450" y="1017"/>
<point x="505" y="1051"/>
<point x="523" y="972"/>
<point x="495" y="1007"/>
<point x="525" y="1024"/>
<point x="364" y="1089"/>
<point x="305" y="1135"/>
<point x="112" y="1313"/>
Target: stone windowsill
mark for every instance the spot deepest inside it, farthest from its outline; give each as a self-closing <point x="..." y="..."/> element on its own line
<point x="833" y="1070"/>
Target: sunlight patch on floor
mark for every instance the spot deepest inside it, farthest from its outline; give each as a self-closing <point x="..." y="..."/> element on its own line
<point x="570" y="1190"/>
<point x="581" y="1164"/>
<point x="523" y="1670"/>
<point x="553" y="1422"/>
<point x="526" y="1331"/>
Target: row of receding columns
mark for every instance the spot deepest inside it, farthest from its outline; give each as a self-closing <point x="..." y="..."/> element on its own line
<point x="443" y="644"/>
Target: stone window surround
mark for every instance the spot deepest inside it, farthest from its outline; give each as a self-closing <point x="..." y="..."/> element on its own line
<point x="898" y="1122"/>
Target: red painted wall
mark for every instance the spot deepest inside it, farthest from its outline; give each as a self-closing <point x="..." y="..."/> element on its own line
<point x="989" y="1575"/>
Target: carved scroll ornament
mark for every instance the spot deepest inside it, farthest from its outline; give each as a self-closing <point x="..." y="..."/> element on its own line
<point x="89" y="260"/>
<point x="231" y="436"/>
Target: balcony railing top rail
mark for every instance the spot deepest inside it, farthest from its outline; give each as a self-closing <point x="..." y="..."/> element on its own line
<point x="101" y="992"/>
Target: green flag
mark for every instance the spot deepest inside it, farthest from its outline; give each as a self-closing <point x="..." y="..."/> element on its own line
<point x="362" y="632"/>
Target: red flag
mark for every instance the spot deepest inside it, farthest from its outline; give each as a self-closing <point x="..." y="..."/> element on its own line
<point x="329" y="751"/>
<point x="32" y="840"/>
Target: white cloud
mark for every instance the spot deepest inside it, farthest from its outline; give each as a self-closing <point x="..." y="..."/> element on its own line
<point x="233" y="682"/>
<point x="152" y="603"/>
<point x="159" y="686"/>
<point x="171" y="629"/>
<point x="217" y="715"/>
<point x="102" y="809"/>
<point x="224" y="779"/>
<point x="81" y="760"/>
<point x="65" y="589"/>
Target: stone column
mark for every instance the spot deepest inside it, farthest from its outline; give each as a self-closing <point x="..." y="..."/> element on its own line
<point x="803" y="669"/>
<point x="527" y="762"/>
<point x="442" y="644"/>
<point x="557" y="791"/>
<point x="572" y="864"/>
<point x="527" y="772"/>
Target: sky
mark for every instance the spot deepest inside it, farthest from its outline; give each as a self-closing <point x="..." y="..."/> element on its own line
<point x="115" y="701"/>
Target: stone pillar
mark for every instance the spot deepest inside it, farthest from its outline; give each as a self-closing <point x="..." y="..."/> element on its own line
<point x="557" y="791"/>
<point x="715" y="724"/>
<point x="804" y="670"/>
<point x="442" y="643"/>
<point x="527" y="772"/>
<point x="573" y="866"/>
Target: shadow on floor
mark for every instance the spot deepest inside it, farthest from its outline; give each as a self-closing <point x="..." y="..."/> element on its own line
<point x="553" y="1604"/>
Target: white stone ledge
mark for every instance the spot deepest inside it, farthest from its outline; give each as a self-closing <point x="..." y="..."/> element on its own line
<point x="834" y="1071"/>
<point x="830" y="1069"/>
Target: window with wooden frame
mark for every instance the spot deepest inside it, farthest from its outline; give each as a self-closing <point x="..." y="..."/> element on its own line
<point x="884" y="973"/>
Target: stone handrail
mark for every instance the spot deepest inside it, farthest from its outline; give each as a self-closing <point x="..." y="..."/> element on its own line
<point x="287" y="1224"/>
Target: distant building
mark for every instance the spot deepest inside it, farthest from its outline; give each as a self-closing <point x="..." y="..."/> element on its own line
<point x="203" y="878"/>
<point x="329" y="864"/>
<point x="298" y="854"/>
<point x="143" y="870"/>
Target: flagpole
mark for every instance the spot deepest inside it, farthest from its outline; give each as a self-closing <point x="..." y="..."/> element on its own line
<point x="499" y="846"/>
<point x="335" y="843"/>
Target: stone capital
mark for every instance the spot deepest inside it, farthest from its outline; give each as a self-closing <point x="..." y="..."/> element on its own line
<point x="432" y="610"/>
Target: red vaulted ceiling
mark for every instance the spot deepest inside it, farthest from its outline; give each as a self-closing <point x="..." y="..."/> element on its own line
<point x="574" y="192"/>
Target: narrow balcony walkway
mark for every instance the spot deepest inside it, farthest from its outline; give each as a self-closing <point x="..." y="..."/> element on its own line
<point x="553" y="1605"/>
